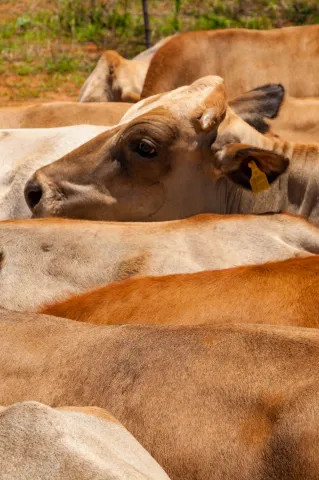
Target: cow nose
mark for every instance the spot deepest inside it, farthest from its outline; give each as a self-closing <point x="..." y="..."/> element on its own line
<point x="32" y="194"/>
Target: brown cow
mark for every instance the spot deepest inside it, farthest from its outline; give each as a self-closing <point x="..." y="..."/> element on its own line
<point x="295" y="119"/>
<point x="207" y="402"/>
<point x="244" y="58"/>
<point x="62" y="114"/>
<point x="253" y="107"/>
<point x="298" y="120"/>
<point x="284" y="293"/>
<point x="175" y="155"/>
<point x="23" y="151"/>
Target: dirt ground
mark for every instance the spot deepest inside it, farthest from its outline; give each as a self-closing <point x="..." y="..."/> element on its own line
<point x="41" y="87"/>
<point x="40" y="70"/>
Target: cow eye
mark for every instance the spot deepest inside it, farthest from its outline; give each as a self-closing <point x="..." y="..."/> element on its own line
<point x="146" y="149"/>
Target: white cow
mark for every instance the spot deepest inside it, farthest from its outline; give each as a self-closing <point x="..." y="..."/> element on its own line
<point x="22" y="151"/>
<point x="38" y="442"/>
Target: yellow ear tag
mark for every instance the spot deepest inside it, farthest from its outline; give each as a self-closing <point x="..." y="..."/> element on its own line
<point x="258" y="180"/>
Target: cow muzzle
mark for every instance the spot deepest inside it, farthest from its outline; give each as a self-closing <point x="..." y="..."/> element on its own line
<point x="33" y="193"/>
<point x="43" y="199"/>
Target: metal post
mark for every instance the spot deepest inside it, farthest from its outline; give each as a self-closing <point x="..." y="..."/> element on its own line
<point x="146" y="24"/>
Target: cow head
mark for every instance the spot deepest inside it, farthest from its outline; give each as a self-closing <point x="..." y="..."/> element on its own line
<point x="114" y="79"/>
<point x="146" y="168"/>
<point x="152" y="166"/>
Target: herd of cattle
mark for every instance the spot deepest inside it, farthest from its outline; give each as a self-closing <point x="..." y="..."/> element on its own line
<point x="178" y="292"/>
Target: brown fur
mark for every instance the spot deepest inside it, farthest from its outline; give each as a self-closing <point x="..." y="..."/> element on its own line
<point x="115" y="79"/>
<point x="284" y="293"/>
<point x="208" y="402"/>
<point x="244" y="58"/>
<point x="94" y="411"/>
<point x="298" y="120"/>
<point x="62" y="114"/>
<point x="113" y="58"/>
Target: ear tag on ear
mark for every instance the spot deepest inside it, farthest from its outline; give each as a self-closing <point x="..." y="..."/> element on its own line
<point x="258" y="180"/>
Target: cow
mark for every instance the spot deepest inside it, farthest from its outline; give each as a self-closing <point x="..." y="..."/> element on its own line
<point x="62" y="114"/>
<point x="150" y="52"/>
<point x="207" y="402"/>
<point x="39" y="442"/>
<point x="116" y="79"/>
<point x="22" y="153"/>
<point x="244" y="58"/>
<point x="270" y="293"/>
<point x="43" y="260"/>
<point x="254" y="107"/>
<point x="175" y="155"/>
<point x="298" y="120"/>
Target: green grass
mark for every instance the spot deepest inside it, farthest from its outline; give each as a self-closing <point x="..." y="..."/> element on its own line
<point x="47" y="48"/>
<point x="61" y="64"/>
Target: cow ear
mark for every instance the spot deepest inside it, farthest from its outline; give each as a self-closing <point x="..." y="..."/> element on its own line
<point x="236" y="160"/>
<point x="212" y="110"/>
<point x="255" y="105"/>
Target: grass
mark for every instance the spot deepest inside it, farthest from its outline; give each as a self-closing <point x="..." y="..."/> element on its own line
<point x="48" y="48"/>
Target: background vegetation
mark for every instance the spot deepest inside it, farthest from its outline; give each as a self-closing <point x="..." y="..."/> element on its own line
<point x="48" y="47"/>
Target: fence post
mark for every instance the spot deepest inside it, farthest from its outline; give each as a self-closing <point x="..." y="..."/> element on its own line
<point x="146" y="24"/>
<point x="177" y="8"/>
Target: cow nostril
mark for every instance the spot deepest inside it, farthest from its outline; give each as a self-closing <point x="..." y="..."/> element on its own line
<point x="33" y="194"/>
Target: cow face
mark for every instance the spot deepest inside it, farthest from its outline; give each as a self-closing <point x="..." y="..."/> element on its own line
<point x="150" y="167"/>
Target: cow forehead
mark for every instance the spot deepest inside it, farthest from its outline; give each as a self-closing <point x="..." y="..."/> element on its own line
<point x="179" y="102"/>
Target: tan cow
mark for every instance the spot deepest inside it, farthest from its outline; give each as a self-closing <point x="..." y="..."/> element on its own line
<point x="298" y="120"/>
<point x="48" y="259"/>
<point x="244" y="58"/>
<point x="39" y="442"/>
<point x="164" y="162"/>
<point x="116" y="79"/>
<point x="207" y="402"/>
<point x="62" y="114"/>
<point x="23" y="152"/>
<point x="271" y="293"/>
